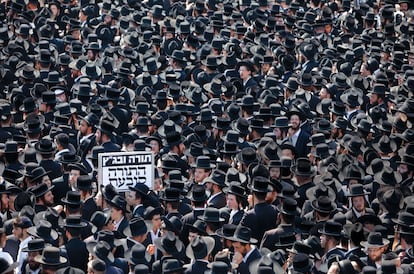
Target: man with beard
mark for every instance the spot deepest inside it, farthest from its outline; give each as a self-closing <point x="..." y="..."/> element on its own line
<point x="330" y="237"/>
<point x="298" y="137"/>
<point x="44" y="196"/>
<point x="377" y="97"/>
<point x="20" y="226"/>
<point x="215" y="184"/>
<point x="357" y="195"/>
<point x="406" y="169"/>
<point x="105" y="131"/>
<point x="34" y="248"/>
<point x="86" y="136"/>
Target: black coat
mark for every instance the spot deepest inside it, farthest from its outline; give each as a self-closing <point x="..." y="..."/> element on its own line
<point x="260" y="219"/>
<point x="89" y="207"/>
<point x="54" y="168"/>
<point x="302" y="150"/>
<point x="244" y="266"/>
<point x="188" y="220"/>
<point x="124" y="223"/>
<point x="236" y="219"/>
<point x="197" y="267"/>
<point x="77" y="254"/>
<point x="218" y="201"/>
<point x="61" y="187"/>
<point x="111" y="147"/>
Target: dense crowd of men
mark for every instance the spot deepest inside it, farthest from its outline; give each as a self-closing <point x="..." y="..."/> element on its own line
<point x="281" y="130"/>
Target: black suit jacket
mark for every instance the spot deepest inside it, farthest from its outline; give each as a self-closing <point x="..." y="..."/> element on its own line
<point x="244" y="266"/>
<point x="218" y="201"/>
<point x="89" y="207"/>
<point x="197" y="267"/>
<point x="302" y="150"/>
<point x="53" y="167"/>
<point x="111" y="147"/>
<point x="124" y="223"/>
<point x="61" y="187"/>
<point x="236" y="219"/>
<point x="77" y="254"/>
<point x="260" y="219"/>
<point x="12" y="246"/>
<point x="188" y="220"/>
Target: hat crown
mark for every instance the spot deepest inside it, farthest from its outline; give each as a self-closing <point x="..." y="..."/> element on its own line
<point x="375" y="238"/>
<point x="303" y="165"/>
<point x="44" y="228"/>
<point x="51" y="255"/>
<point x="243" y="233"/>
<point x="36" y="244"/>
<point x="357" y="189"/>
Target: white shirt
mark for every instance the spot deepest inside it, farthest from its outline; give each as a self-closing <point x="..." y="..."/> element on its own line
<point x="116" y="224"/>
<point x="248" y="253"/>
<point x="22" y="256"/>
<point x="212" y="197"/>
<point x="6" y="255"/>
<point x="295" y="137"/>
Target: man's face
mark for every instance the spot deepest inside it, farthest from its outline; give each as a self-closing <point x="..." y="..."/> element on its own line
<point x="17" y="232"/>
<point x="324" y="240"/>
<point x="47" y="181"/>
<point x="244" y="73"/>
<point x="373" y="99"/>
<point x="359" y="203"/>
<point x="115" y="213"/>
<point x="131" y="198"/>
<point x="200" y="174"/>
<point x="83" y="127"/>
<point x="375" y="253"/>
<point x="73" y="176"/>
<point x="98" y="137"/>
<point x="156" y="221"/>
<point x="48" y="198"/>
<point x="295" y="122"/>
<point x="238" y="247"/>
<point x="31" y="262"/>
<point x="4" y="201"/>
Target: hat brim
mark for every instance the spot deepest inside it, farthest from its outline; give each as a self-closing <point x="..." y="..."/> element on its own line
<point x="366" y="244"/>
<point x="209" y="243"/>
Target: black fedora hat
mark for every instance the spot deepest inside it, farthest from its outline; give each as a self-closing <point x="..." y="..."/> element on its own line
<point x="173" y="224"/>
<point x="74" y="221"/>
<point x="171" y="266"/>
<point x="136" y="227"/>
<point x="260" y="184"/>
<point x="303" y="167"/>
<point x="357" y="190"/>
<point x="53" y="77"/>
<point x="27" y="72"/>
<point x="374" y="240"/>
<point x="211" y="215"/>
<point x="69" y="158"/>
<point x="217" y="177"/>
<point x="119" y="203"/>
<point x="84" y="182"/>
<point x="72" y="199"/>
<point x="235" y="188"/>
<point x="40" y="189"/>
<point x="101" y="250"/>
<point x="171" y="194"/>
<point x="200" y="247"/>
<point x="203" y="162"/>
<point x="51" y="257"/>
<point x="38" y="173"/>
<point x="388" y="177"/>
<point x="45" y="146"/>
<point x="44" y="231"/>
<point x="138" y="255"/>
<point x="168" y="126"/>
<point x="50" y="215"/>
<point x="289" y="207"/>
<point x="331" y="228"/>
<point x="29" y="105"/>
<point x="247" y="156"/>
<point x="385" y="145"/>
<point x="64" y="109"/>
<point x="169" y="244"/>
<point x="323" y="204"/>
<point x="232" y="136"/>
<point x="198" y="194"/>
<point x="243" y="234"/>
<point x="281" y="122"/>
<point x="35" y="245"/>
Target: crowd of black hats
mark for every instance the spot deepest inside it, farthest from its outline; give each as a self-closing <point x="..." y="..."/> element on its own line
<point x="282" y="134"/>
